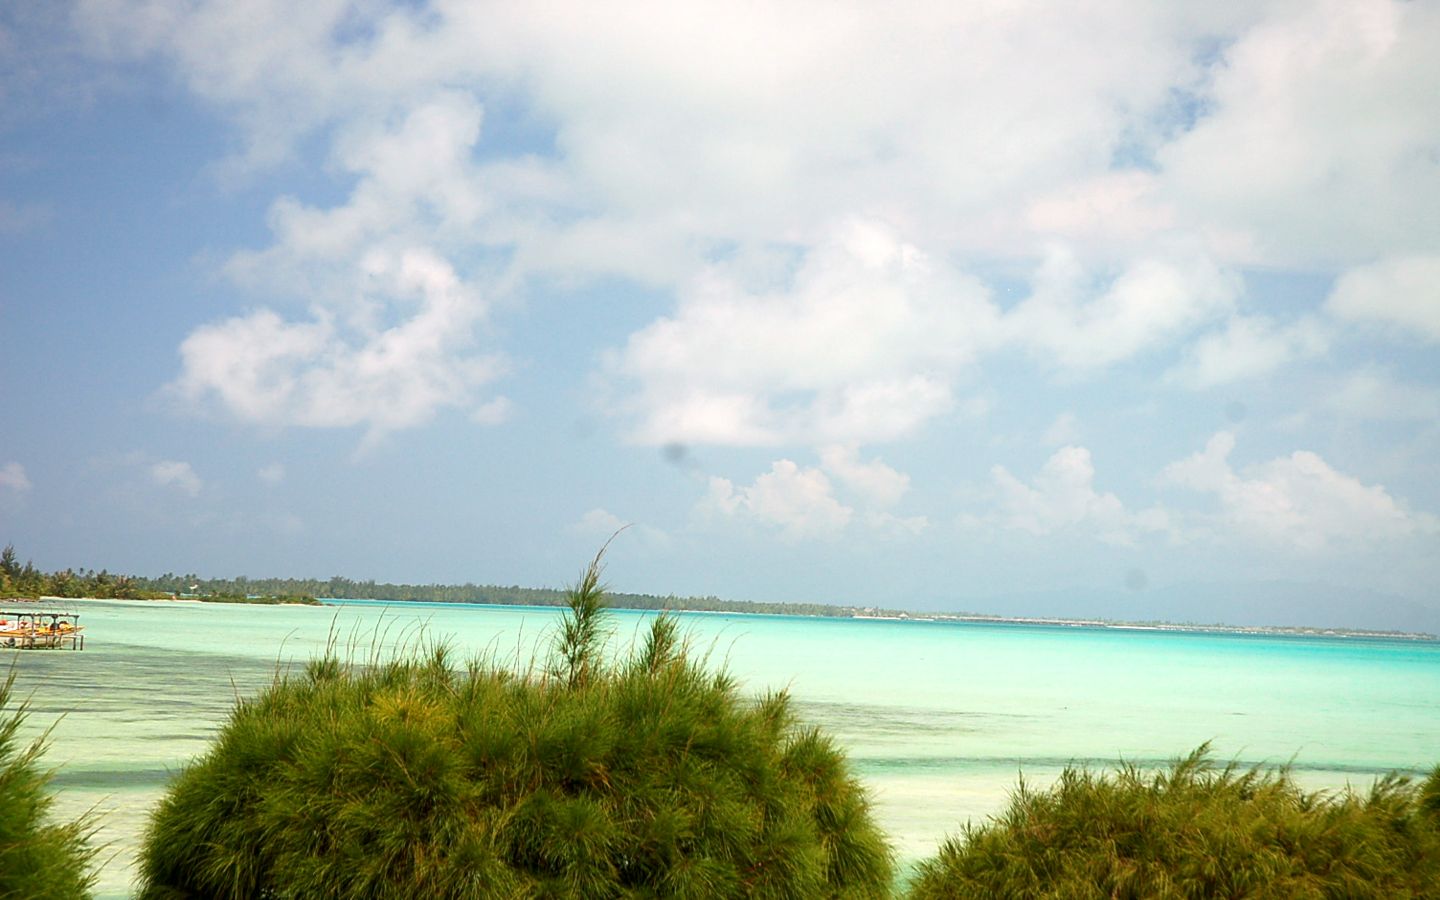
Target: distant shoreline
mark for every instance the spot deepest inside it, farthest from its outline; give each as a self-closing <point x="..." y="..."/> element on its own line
<point x="1284" y="630"/>
<point x="840" y="612"/>
<point x="26" y="581"/>
<point x="978" y="619"/>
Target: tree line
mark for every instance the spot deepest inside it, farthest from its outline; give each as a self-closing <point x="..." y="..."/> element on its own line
<point x="27" y="581"/>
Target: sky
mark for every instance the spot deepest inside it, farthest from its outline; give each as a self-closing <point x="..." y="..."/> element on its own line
<point x="1112" y="309"/>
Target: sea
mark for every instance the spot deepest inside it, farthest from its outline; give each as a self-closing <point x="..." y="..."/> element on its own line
<point x="939" y="719"/>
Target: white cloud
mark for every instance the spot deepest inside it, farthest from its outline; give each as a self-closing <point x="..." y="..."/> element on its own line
<point x="1151" y="302"/>
<point x="1248" y="347"/>
<point x="800" y="502"/>
<point x="274" y="473"/>
<point x="493" y="412"/>
<point x="178" y="475"/>
<point x="867" y="339"/>
<point x="266" y="371"/>
<point x="1375" y="394"/>
<point x="390" y="337"/>
<point x="876" y="482"/>
<point x="1110" y="207"/>
<point x="416" y="184"/>
<point x="599" y="523"/>
<point x="1315" y="136"/>
<point x="691" y="140"/>
<point x="1403" y="292"/>
<point x="860" y="344"/>
<point x="804" y="502"/>
<point x="13" y="478"/>
<point x="986" y="128"/>
<point x="1062" y="498"/>
<point x="1297" y="501"/>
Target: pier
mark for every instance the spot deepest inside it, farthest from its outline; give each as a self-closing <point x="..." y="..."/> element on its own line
<point x="33" y="630"/>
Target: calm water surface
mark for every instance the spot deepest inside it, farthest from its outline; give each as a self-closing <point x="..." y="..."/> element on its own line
<point x="937" y="718"/>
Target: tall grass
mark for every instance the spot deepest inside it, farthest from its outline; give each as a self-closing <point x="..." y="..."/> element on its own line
<point x="39" y="859"/>
<point x="643" y="776"/>
<point x="1197" y="830"/>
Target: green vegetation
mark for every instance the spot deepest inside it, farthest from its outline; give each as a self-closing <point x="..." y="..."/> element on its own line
<point x="263" y="600"/>
<point x="585" y="777"/>
<point x="38" y="859"/>
<point x="339" y="588"/>
<point x="1194" y="831"/>
<point x="27" y="581"/>
<point x="17" y="581"/>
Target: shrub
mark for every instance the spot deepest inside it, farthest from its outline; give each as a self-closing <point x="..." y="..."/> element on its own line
<point x="38" y="859"/>
<point x="644" y="777"/>
<point x="1196" y="830"/>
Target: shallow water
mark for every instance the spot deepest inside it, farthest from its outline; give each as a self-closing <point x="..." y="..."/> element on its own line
<point x="938" y="718"/>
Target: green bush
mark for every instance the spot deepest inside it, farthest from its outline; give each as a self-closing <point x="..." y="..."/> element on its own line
<point x="1197" y="830"/>
<point x="38" y="859"/>
<point x="644" y="777"/>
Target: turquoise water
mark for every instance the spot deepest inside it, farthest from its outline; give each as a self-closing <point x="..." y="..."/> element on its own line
<point x="937" y="718"/>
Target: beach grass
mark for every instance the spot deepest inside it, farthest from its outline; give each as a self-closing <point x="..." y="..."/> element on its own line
<point x="39" y="859"/>
<point x="1196" y="830"/>
<point x="417" y="776"/>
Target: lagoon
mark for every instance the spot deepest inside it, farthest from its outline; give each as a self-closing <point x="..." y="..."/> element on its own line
<point x="938" y="718"/>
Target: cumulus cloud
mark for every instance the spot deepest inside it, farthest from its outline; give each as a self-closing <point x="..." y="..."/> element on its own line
<point x="985" y="128"/>
<point x="264" y="370"/>
<point x="1377" y="395"/>
<point x="1402" y="292"/>
<point x="274" y="473"/>
<point x="1314" y="142"/>
<point x="860" y="344"/>
<point x="1152" y="301"/>
<point x="600" y="524"/>
<point x="876" y="482"/>
<point x="800" y="502"/>
<point x="1298" y="501"/>
<point x="1248" y="347"/>
<point x="869" y="338"/>
<point x="1113" y="207"/>
<point x="493" y="412"/>
<point x="1062" y="498"/>
<point x="1115" y="144"/>
<point x="415" y="183"/>
<point x="175" y="474"/>
<point x="804" y="503"/>
<point x="13" y="478"/>
<point x="391" y="331"/>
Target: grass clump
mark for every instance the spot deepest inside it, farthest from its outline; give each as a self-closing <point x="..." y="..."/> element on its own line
<point x="39" y="859"/>
<point x="1197" y="830"/>
<point x="647" y="776"/>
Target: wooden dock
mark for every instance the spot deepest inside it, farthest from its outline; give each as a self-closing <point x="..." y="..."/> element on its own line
<point x="34" y="630"/>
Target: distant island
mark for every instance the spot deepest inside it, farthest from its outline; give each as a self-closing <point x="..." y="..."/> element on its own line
<point x="26" y="582"/>
<point x="17" y="581"/>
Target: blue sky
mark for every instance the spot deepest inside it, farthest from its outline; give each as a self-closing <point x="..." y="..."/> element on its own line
<point x="1122" y="309"/>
